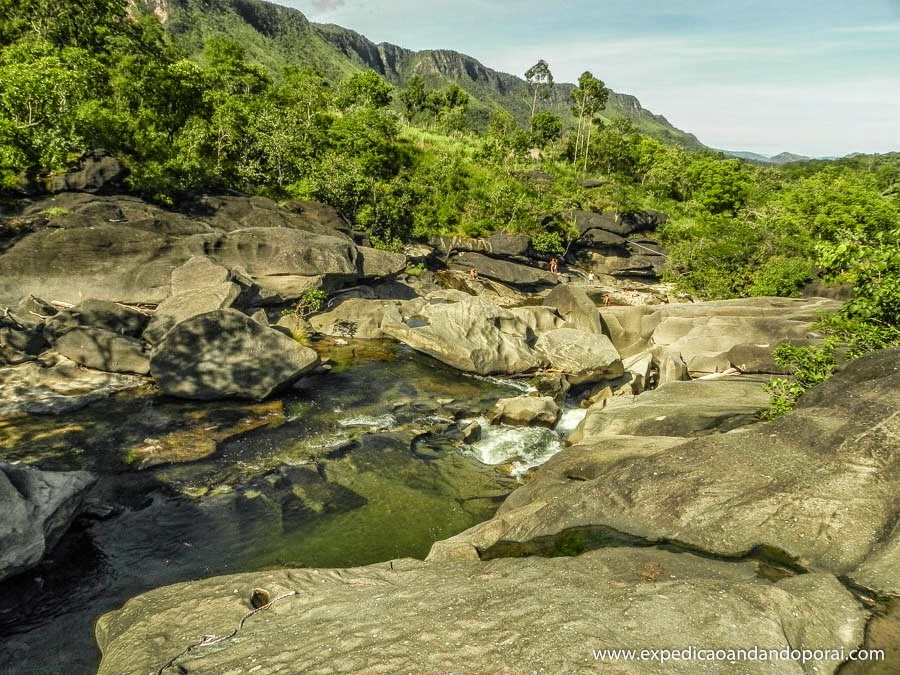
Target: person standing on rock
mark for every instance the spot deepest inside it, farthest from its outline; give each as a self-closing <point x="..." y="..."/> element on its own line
<point x="474" y="274"/>
<point x="591" y="277"/>
<point x="554" y="266"/>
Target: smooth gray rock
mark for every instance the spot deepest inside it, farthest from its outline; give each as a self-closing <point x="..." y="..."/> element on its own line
<point x="19" y="342"/>
<point x="225" y="354"/>
<point x="374" y="263"/>
<point x="574" y="305"/>
<point x="539" y="319"/>
<point x="704" y="333"/>
<point x="99" y="314"/>
<point x="198" y="273"/>
<point x="819" y="486"/>
<point x="104" y="262"/>
<point x="584" y="357"/>
<point x="38" y="507"/>
<point x="230" y="213"/>
<point x="187" y="303"/>
<point x="511" y="615"/>
<point x="271" y="251"/>
<point x="470" y="334"/>
<point x="504" y="271"/>
<point x="523" y="411"/>
<point x="356" y="318"/>
<point x="103" y="350"/>
<point x="681" y="409"/>
<point x="98" y="172"/>
<point x="509" y="245"/>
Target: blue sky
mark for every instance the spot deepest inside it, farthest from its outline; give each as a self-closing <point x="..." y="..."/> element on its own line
<point x="815" y="77"/>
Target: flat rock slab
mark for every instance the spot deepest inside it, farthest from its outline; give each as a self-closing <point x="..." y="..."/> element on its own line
<point x="510" y="615"/>
<point x="819" y="485"/>
<point x="705" y="333"/>
<point x="685" y="409"/>
<point x="57" y="385"/>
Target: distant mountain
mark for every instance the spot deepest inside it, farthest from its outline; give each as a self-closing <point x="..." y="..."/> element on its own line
<point x="787" y="157"/>
<point x="276" y="36"/>
<point x="782" y="158"/>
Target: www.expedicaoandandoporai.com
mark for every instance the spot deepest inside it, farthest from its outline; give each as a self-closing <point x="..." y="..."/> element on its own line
<point x="752" y="654"/>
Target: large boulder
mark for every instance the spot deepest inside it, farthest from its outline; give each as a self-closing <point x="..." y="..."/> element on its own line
<point x="574" y="305"/>
<point x="681" y="409"/>
<point x="468" y="333"/>
<point x="198" y="286"/>
<point x="509" y="245"/>
<point x="272" y="251"/>
<point x="103" y="350"/>
<point x="38" y="507"/>
<point x="235" y="213"/>
<point x="375" y="263"/>
<point x="817" y="487"/>
<point x="224" y="354"/>
<point x="104" y="262"/>
<point x="584" y="357"/>
<point x="356" y="318"/>
<point x="504" y="271"/>
<point x="705" y="333"/>
<point x="524" y="411"/>
<point x="99" y="314"/>
<point x="537" y="614"/>
<point x="96" y="173"/>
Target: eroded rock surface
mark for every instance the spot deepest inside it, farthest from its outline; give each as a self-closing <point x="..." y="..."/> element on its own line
<point x="819" y="485"/>
<point x="410" y="616"/>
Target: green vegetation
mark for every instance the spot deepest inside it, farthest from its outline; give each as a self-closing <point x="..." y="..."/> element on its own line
<point x="198" y="112"/>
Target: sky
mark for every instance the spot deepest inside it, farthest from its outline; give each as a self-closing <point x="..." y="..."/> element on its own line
<point x="814" y="77"/>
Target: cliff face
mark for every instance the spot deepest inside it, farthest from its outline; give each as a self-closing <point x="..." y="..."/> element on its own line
<point x="277" y="36"/>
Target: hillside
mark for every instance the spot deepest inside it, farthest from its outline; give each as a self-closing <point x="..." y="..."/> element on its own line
<point x="277" y="36"/>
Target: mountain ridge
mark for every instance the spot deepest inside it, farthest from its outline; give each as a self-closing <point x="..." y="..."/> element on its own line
<point x="276" y="35"/>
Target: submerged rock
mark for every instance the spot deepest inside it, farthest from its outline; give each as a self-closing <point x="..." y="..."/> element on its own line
<point x="225" y="353"/>
<point x="511" y="615"/>
<point x="38" y="507"/>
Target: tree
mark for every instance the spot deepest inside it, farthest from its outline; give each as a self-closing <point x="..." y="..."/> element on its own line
<point x="545" y="128"/>
<point x="414" y="96"/>
<point x="588" y="99"/>
<point x="540" y="83"/>
<point x="367" y="89"/>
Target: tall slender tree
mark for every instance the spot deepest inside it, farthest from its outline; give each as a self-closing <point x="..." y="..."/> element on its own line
<point x="540" y="83"/>
<point x="587" y="100"/>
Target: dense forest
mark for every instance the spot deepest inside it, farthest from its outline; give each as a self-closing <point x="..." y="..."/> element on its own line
<point x="403" y="164"/>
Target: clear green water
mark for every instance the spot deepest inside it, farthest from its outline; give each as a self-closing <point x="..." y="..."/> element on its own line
<point x="357" y="467"/>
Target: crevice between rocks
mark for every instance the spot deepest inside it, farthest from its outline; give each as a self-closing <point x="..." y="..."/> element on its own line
<point x="775" y="563"/>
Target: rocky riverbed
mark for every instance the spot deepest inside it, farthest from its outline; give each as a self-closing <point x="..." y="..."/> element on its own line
<point x="169" y="415"/>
